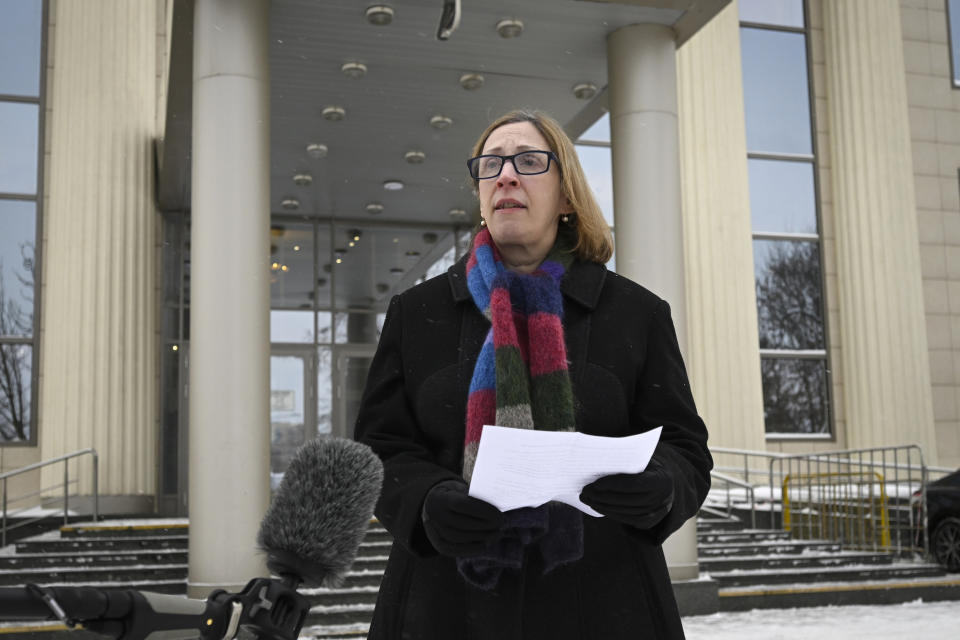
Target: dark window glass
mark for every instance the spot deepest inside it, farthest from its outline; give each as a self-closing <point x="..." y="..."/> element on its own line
<point x="789" y="304"/>
<point x="795" y="395"/>
<point x="291" y="266"/>
<point x="782" y="196"/>
<point x="15" y="368"/>
<point x="776" y="91"/>
<point x="18" y="147"/>
<point x="20" y="31"/>
<point x="17" y="226"/>
<point x="953" y="23"/>
<point x="780" y="13"/>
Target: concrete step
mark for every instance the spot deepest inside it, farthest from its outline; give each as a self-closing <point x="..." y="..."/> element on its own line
<point x="744" y="536"/>
<point x="767" y="547"/>
<point x="347" y="596"/>
<point x="891" y="591"/>
<point x="852" y="573"/>
<point x="713" y="524"/>
<point x="101" y="576"/>
<point x="340" y="615"/>
<point x="47" y="543"/>
<point x="120" y="528"/>
<point x="805" y="561"/>
<point x="93" y="558"/>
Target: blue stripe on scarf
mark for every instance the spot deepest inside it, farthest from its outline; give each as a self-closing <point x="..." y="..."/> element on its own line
<point x="484" y="373"/>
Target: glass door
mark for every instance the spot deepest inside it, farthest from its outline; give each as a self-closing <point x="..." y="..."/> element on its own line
<point x="292" y="404"/>
<point x="352" y="365"/>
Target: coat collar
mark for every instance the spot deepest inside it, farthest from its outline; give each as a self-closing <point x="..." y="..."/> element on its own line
<point x="582" y="283"/>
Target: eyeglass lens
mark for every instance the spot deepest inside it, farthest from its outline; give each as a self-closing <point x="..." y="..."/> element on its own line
<point x="528" y="163"/>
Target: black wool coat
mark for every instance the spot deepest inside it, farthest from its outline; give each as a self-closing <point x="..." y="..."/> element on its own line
<point x="627" y="376"/>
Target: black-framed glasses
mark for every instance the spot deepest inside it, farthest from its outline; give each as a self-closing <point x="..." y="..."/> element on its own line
<point x="527" y="163"/>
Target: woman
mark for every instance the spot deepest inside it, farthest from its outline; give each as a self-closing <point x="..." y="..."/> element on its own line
<point x="529" y="331"/>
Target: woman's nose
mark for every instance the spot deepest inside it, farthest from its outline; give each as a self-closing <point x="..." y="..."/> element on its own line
<point x="508" y="174"/>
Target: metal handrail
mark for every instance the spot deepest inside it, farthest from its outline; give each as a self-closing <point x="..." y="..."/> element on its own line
<point x="730" y="480"/>
<point x="65" y="459"/>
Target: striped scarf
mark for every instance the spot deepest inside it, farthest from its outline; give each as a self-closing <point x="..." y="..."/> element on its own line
<point x="521" y="380"/>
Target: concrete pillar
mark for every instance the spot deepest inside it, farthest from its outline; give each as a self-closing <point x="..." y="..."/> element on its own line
<point x="98" y="362"/>
<point x="230" y="303"/>
<point x="723" y="352"/>
<point x="642" y="86"/>
<point x="887" y="397"/>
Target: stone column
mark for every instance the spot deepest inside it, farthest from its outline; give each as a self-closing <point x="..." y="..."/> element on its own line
<point x="230" y="301"/>
<point x="641" y="61"/>
<point x="723" y="353"/>
<point x="98" y="358"/>
<point x="883" y="332"/>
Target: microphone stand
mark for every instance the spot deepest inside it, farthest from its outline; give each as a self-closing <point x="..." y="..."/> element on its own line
<point x="266" y="609"/>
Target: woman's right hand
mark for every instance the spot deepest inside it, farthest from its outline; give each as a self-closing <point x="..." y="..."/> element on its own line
<point x="457" y="524"/>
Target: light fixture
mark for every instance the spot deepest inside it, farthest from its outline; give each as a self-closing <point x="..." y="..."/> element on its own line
<point x="302" y="179"/>
<point x="382" y="287"/>
<point x="351" y="244"/>
<point x="396" y="271"/>
<point x="274" y="266"/>
<point x="393" y="185"/>
<point x="510" y="28"/>
<point x="396" y="240"/>
<point x="412" y="253"/>
<point x="284" y="268"/>
<point x="322" y="282"/>
<point x="379" y="15"/>
<point x="429" y="237"/>
<point x="296" y="247"/>
<point x="290" y="203"/>
<point x="374" y="208"/>
<point x="334" y="113"/>
<point x="339" y="260"/>
<point x="175" y="348"/>
<point x="415" y="156"/>
<point x="471" y="81"/>
<point x="440" y="121"/>
<point x="457" y="214"/>
<point x="355" y="234"/>
<point x="355" y="70"/>
<point x="585" y="90"/>
<point x="317" y="150"/>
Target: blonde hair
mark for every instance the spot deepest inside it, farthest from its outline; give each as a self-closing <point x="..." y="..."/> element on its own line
<point x="594" y="241"/>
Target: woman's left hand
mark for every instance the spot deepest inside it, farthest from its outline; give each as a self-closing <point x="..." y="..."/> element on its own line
<point x="641" y="500"/>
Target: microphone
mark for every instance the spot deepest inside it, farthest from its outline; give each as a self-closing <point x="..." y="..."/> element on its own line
<point x="321" y="512"/>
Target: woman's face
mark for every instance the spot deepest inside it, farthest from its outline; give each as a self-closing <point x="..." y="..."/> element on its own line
<point x="521" y="210"/>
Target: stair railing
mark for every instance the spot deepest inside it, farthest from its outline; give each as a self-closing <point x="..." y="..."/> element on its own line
<point x="729" y="481"/>
<point x="65" y="459"/>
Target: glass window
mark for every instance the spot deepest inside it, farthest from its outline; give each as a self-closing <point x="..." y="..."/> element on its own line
<point x="776" y="91"/>
<point x="291" y="265"/>
<point x="953" y="25"/>
<point x="782" y="196"/>
<point x="780" y="13"/>
<point x="324" y="391"/>
<point x="15" y="372"/>
<point x="795" y="395"/>
<point x="356" y="327"/>
<point x="18" y="147"/>
<point x="20" y="31"/>
<point x="291" y="326"/>
<point x="17" y="226"/>
<point x="599" y="131"/>
<point x="597" y="167"/>
<point x="789" y="306"/>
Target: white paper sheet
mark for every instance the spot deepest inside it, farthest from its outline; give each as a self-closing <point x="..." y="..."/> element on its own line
<point x="525" y="468"/>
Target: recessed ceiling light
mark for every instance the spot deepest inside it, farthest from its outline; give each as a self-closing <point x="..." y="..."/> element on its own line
<point x="585" y="90"/>
<point x="302" y="179"/>
<point x="290" y="203"/>
<point x="415" y="156"/>
<point x="379" y="14"/>
<point x="355" y="70"/>
<point x="374" y="208"/>
<point x="355" y="234"/>
<point x="317" y="150"/>
<point x="471" y="81"/>
<point x="392" y="185"/>
<point x="396" y="271"/>
<point x="296" y="247"/>
<point x="429" y="237"/>
<point x="457" y="214"/>
<point x="509" y="28"/>
<point x="382" y="287"/>
<point x="440" y="122"/>
<point x="334" y="113"/>
<point x="412" y="253"/>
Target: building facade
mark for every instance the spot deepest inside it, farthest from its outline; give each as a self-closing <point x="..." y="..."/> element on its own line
<point x="808" y="238"/>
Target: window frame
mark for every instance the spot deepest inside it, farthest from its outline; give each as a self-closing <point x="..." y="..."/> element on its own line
<point x="812" y="158"/>
<point x="38" y="199"/>
<point x="952" y="40"/>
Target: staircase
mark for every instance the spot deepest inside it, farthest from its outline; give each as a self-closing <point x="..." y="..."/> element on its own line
<point x="756" y="569"/>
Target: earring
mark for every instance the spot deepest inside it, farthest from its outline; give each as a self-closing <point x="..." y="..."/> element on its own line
<point x="483" y="222"/>
<point x="565" y="218"/>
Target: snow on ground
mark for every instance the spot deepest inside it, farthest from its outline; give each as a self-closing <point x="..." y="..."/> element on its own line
<point x="917" y="619"/>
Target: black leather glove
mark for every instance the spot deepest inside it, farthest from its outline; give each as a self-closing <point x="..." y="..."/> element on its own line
<point x="456" y="524"/>
<point x="641" y="500"/>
